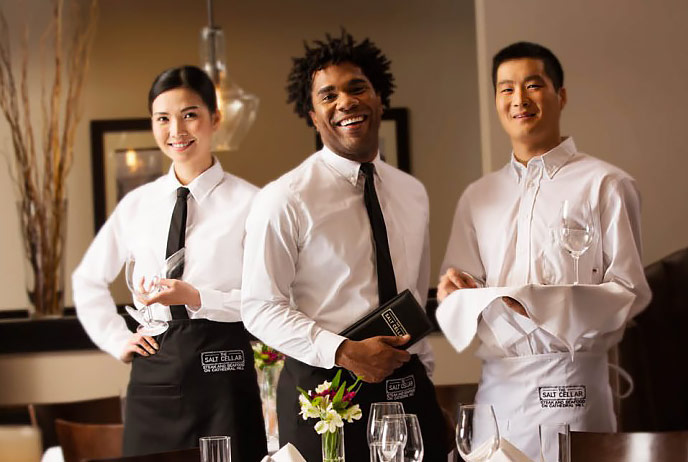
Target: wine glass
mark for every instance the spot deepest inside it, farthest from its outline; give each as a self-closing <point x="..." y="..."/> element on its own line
<point x="377" y="412"/>
<point x="144" y="286"/>
<point x="576" y="229"/>
<point x="215" y="448"/>
<point x="477" y="435"/>
<point x="413" y="449"/>
<point x="393" y="438"/>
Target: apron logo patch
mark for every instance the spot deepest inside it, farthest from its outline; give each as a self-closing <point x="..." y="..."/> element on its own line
<point x="404" y="387"/>
<point x="223" y="361"/>
<point x="393" y="322"/>
<point x="562" y="396"/>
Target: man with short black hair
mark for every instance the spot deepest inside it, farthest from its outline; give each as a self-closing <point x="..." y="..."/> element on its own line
<point x="508" y="273"/>
<point x="329" y="241"/>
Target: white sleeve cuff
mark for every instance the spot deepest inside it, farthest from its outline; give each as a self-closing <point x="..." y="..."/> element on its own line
<point x="327" y="343"/>
<point x="210" y="300"/>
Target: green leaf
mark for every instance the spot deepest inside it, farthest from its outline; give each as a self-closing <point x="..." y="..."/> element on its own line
<point x="304" y="393"/>
<point x="335" y="380"/>
<point x="340" y="394"/>
<point x="357" y="382"/>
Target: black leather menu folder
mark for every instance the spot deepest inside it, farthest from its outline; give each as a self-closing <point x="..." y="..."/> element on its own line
<point x="399" y="316"/>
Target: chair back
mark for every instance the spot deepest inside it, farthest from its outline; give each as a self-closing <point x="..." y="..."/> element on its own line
<point x="629" y="447"/>
<point x="100" y="410"/>
<point x="184" y="455"/>
<point x="450" y="396"/>
<point x="81" y="441"/>
<point x="649" y="350"/>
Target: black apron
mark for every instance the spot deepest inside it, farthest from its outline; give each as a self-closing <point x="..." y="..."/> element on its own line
<point x="201" y="382"/>
<point x="409" y="384"/>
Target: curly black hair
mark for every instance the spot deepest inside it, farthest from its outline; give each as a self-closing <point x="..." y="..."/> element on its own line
<point x="365" y="55"/>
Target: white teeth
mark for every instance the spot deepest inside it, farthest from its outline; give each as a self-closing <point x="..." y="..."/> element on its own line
<point x="180" y="145"/>
<point x="351" y="120"/>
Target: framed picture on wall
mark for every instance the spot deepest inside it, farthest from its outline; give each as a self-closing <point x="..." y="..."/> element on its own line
<point x="394" y="138"/>
<point x="124" y="156"/>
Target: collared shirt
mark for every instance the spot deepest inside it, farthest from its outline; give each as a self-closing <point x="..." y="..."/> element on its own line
<point x="505" y="231"/>
<point x="309" y="269"/>
<point x="218" y="204"/>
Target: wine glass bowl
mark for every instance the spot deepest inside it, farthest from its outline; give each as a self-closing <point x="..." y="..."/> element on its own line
<point x="477" y="434"/>
<point x="377" y="412"/>
<point x="392" y="438"/>
<point x="143" y="286"/>
<point x="413" y="450"/>
<point x="576" y="230"/>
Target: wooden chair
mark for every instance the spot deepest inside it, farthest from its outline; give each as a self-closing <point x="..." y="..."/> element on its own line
<point x="650" y="348"/>
<point x="184" y="455"/>
<point x="102" y="410"/>
<point x="81" y="441"/>
<point x="629" y="447"/>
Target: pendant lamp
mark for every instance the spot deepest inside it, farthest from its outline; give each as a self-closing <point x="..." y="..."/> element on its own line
<point x="238" y="108"/>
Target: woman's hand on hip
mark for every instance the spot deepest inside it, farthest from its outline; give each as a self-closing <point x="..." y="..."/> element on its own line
<point x="139" y="344"/>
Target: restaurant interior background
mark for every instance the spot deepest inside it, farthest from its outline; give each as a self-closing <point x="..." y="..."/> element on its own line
<point x="625" y="62"/>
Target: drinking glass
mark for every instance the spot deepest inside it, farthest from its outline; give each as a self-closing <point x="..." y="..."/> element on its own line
<point x="555" y="442"/>
<point x="393" y="438"/>
<point x="374" y="433"/>
<point x="144" y="285"/>
<point x="477" y="435"/>
<point x="215" y="449"/>
<point x="413" y="449"/>
<point x="576" y="229"/>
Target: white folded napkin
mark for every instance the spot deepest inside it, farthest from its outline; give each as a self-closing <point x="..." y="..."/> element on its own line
<point x="288" y="453"/>
<point x="507" y="452"/>
<point x="53" y="454"/>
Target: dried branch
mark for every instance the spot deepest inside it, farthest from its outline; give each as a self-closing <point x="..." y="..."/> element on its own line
<point x="40" y="177"/>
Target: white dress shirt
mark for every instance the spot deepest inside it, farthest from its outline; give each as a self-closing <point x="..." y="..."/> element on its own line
<point x="309" y="269"/>
<point x="505" y="232"/>
<point x="218" y="204"/>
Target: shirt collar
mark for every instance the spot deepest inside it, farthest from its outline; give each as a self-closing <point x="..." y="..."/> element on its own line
<point x="201" y="186"/>
<point x="552" y="161"/>
<point x="348" y="169"/>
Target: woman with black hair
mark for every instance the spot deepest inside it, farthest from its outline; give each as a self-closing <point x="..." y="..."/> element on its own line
<point x="196" y="378"/>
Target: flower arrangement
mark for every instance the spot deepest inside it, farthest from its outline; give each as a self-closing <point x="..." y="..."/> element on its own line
<point x="265" y="356"/>
<point x="268" y="363"/>
<point x="332" y="404"/>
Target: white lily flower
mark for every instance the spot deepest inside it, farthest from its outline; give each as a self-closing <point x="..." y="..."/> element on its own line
<point x="323" y="386"/>
<point x="352" y="413"/>
<point x="321" y="427"/>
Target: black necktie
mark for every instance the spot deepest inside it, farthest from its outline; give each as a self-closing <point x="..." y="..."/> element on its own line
<point x="386" y="282"/>
<point x="175" y="241"/>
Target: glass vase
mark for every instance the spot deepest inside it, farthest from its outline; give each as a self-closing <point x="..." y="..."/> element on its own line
<point x="43" y="228"/>
<point x="333" y="445"/>
<point x="267" y="379"/>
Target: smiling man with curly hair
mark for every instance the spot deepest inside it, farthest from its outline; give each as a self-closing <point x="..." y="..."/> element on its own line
<point x="330" y="241"/>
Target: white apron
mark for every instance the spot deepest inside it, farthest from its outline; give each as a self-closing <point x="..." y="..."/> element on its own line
<point x="529" y="390"/>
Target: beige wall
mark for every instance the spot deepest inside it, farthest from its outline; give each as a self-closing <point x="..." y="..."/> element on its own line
<point x="625" y="65"/>
<point x="432" y="47"/>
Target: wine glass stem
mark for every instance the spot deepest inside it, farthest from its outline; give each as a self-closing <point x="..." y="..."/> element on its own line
<point x="147" y="316"/>
<point x="575" y="266"/>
